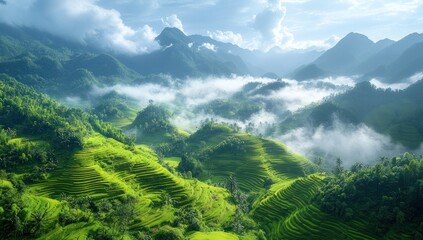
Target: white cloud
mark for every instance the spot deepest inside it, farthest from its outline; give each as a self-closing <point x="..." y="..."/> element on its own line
<point x="319" y="44"/>
<point x="227" y="37"/>
<point x="295" y="1"/>
<point x="173" y="21"/>
<point x="141" y="93"/>
<point x="200" y="91"/>
<point x="81" y="21"/>
<point x="193" y="92"/>
<point x="360" y="9"/>
<point x="399" y="85"/>
<point x="297" y="95"/>
<point x="208" y="46"/>
<point x="269" y="23"/>
<point x="348" y="142"/>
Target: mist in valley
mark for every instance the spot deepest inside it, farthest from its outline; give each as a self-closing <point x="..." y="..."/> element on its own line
<point x="188" y="101"/>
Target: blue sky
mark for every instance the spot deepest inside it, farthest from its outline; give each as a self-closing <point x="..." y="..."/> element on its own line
<point x="131" y="25"/>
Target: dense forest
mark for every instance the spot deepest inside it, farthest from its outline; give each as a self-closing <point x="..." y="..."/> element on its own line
<point x="387" y="194"/>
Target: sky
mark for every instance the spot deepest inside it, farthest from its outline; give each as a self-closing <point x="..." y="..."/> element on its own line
<point x="131" y="25"/>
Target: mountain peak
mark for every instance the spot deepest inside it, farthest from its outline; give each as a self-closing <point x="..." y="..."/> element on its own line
<point x="355" y="38"/>
<point x="413" y="37"/>
<point x="172" y="36"/>
<point x="346" y="53"/>
<point x="385" y="41"/>
<point x="354" y="34"/>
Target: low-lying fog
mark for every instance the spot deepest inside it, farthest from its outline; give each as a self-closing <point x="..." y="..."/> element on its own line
<point x="186" y="99"/>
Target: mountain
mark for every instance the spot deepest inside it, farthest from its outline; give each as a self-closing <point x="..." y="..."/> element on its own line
<point x="307" y="72"/>
<point x="172" y="36"/>
<point x="180" y="57"/>
<point x="348" y="52"/>
<point x="259" y="63"/>
<point x="356" y="54"/>
<point x="55" y="66"/>
<point x="384" y="43"/>
<point x="388" y="55"/>
<point x="410" y="62"/>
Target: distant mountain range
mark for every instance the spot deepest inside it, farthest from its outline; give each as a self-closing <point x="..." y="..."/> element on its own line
<point x="197" y="55"/>
<point x="180" y="56"/>
<point x="357" y="55"/>
<point x="45" y="59"/>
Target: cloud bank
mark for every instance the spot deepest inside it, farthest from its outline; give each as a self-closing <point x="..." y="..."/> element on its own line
<point x="82" y="21"/>
<point x="349" y="142"/>
<point x="399" y="85"/>
<point x="297" y="94"/>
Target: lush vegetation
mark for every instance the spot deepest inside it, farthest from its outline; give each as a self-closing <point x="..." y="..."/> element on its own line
<point x="35" y="113"/>
<point x="388" y="195"/>
<point x="239" y="108"/>
<point x="114" y="108"/>
<point x="153" y="126"/>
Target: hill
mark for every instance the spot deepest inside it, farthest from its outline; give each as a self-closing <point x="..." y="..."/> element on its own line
<point x="395" y="113"/>
<point x="55" y="66"/>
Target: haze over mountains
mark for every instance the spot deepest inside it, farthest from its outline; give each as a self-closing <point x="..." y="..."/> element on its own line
<point x="356" y="54"/>
<point x="195" y="56"/>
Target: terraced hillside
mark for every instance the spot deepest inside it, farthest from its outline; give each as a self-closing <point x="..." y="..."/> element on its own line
<point x="288" y="212"/>
<point x="253" y="162"/>
<point x="105" y="169"/>
<point x="311" y="223"/>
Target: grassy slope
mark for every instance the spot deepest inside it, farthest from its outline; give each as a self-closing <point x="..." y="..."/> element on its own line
<point x="124" y="121"/>
<point x="285" y="211"/>
<point x="136" y="173"/>
<point x="213" y="236"/>
<point x="261" y="160"/>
